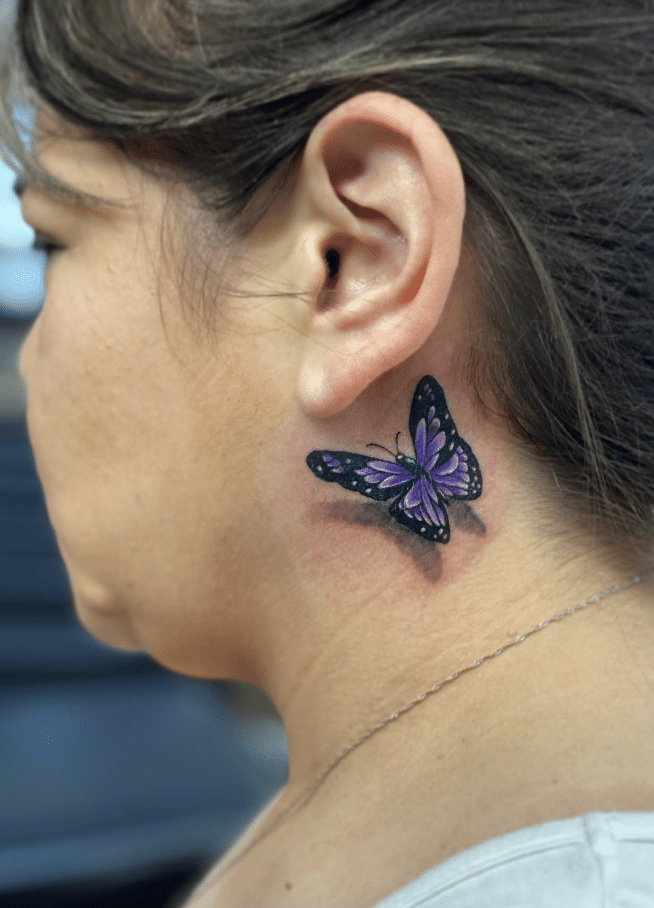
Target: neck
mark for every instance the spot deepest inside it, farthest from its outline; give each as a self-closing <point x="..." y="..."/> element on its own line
<point x="387" y="650"/>
<point x="557" y="725"/>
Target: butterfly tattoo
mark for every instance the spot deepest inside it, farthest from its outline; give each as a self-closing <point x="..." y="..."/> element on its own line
<point x="442" y="470"/>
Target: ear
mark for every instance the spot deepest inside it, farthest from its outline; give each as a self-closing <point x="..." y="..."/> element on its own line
<point x="382" y="226"/>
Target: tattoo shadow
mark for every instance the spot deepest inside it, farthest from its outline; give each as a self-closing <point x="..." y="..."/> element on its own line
<point x="426" y="555"/>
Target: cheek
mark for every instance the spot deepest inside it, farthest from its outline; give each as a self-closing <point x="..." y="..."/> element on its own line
<point x="68" y="403"/>
<point x="97" y="411"/>
<point x="90" y="365"/>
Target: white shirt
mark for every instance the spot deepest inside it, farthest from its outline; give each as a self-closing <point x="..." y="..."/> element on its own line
<point x="600" y="860"/>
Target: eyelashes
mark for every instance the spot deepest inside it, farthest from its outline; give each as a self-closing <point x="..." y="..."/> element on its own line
<point x="45" y="244"/>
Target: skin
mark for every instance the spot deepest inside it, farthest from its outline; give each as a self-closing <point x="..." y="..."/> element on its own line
<point x="173" y="462"/>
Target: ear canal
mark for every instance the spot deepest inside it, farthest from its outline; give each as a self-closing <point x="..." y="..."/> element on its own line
<point x="333" y="259"/>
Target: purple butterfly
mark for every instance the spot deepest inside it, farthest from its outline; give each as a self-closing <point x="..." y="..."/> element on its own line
<point x="443" y="470"/>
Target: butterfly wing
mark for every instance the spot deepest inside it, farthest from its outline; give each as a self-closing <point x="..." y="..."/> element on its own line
<point x="370" y="476"/>
<point x="440" y="450"/>
<point x="422" y="509"/>
<point x="458" y="476"/>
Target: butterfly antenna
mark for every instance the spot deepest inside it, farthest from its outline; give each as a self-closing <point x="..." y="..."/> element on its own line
<point x="396" y="444"/>
<point x="381" y="448"/>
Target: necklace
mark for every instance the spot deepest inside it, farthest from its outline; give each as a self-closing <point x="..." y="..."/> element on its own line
<point x="306" y="793"/>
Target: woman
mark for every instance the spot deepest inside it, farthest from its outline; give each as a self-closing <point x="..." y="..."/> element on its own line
<point x="343" y="386"/>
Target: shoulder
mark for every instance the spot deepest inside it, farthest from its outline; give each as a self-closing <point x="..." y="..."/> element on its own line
<point x="594" y="861"/>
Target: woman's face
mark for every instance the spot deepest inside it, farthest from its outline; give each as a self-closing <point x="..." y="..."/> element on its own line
<point x="154" y="444"/>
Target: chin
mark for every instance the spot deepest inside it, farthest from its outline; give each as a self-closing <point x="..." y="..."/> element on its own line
<point x="106" y="629"/>
<point x="102" y="616"/>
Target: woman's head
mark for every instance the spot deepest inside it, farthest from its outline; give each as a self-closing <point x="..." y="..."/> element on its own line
<point x="547" y="108"/>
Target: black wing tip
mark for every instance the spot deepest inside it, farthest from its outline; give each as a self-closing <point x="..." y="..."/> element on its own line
<point x="429" y="383"/>
<point x="313" y="459"/>
<point x="318" y="466"/>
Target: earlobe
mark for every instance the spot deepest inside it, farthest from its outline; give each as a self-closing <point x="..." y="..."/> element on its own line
<point x="386" y="203"/>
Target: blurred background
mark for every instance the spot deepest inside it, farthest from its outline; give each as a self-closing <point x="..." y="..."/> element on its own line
<point x="119" y="782"/>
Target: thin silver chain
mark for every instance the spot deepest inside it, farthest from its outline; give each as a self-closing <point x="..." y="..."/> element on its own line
<point x="304" y="795"/>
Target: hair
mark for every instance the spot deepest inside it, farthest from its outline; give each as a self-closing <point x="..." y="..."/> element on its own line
<point x="549" y="105"/>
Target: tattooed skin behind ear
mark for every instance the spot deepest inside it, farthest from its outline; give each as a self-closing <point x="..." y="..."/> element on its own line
<point x="440" y="470"/>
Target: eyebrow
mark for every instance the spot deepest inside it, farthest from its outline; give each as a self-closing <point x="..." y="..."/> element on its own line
<point x="21" y="185"/>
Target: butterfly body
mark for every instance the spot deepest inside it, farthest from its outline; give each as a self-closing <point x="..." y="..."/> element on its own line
<point x="443" y="470"/>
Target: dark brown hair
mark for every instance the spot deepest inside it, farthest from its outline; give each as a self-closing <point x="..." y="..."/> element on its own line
<point x="549" y="105"/>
